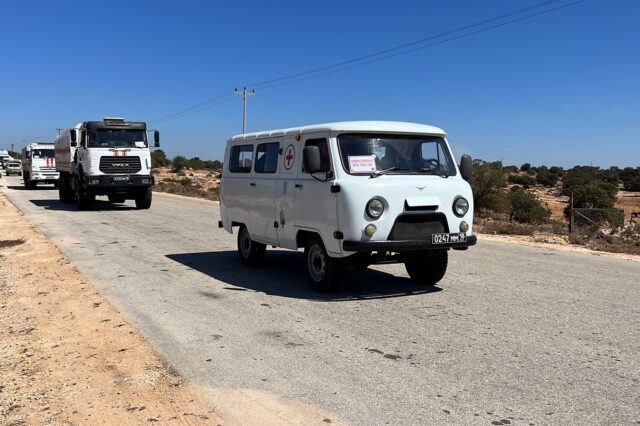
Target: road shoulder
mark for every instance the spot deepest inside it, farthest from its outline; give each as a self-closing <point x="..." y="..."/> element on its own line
<point x="66" y="354"/>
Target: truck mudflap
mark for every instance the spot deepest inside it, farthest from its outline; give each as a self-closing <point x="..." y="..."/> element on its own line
<point x="404" y="245"/>
<point x="119" y="181"/>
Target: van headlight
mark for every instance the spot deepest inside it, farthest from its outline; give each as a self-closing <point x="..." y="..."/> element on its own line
<point x="375" y="208"/>
<point x="460" y="206"/>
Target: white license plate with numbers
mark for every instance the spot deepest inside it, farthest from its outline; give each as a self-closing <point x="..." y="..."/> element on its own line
<point x="456" y="237"/>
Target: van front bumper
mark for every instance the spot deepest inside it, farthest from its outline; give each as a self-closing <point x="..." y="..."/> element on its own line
<point x="404" y="245"/>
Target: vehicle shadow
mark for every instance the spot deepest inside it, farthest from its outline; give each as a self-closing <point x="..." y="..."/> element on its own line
<point x="38" y="188"/>
<point x="283" y="275"/>
<point x="99" y="205"/>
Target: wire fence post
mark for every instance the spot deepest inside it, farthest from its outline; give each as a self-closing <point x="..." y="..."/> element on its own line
<point x="571" y="219"/>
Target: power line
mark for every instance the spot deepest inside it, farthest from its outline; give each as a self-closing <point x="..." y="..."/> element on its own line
<point x="404" y="52"/>
<point x="409" y="44"/>
<point x="379" y="55"/>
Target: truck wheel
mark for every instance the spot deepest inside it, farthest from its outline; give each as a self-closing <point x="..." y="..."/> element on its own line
<point x="68" y="190"/>
<point x="84" y="200"/>
<point x="251" y="252"/>
<point x="143" y="200"/>
<point x="427" y="267"/>
<point x="322" y="272"/>
<point x="116" y="199"/>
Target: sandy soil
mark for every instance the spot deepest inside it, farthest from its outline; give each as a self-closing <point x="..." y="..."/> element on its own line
<point x="66" y="355"/>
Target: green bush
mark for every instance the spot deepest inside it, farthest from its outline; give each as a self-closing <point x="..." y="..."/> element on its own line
<point x="522" y="180"/>
<point x="546" y="178"/>
<point x="185" y="181"/>
<point x="527" y="208"/>
<point x="591" y="186"/>
<point x="159" y="159"/>
<point x="525" y="167"/>
<point x="487" y="183"/>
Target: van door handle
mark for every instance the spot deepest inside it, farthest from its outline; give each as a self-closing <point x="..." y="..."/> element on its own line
<point x="299" y="185"/>
<point x="252" y="184"/>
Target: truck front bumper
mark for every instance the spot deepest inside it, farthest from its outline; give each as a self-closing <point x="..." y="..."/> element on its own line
<point x="404" y="245"/>
<point x="119" y="181"/>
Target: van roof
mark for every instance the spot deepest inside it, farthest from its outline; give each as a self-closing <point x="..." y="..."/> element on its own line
<point x="349" y="126"/>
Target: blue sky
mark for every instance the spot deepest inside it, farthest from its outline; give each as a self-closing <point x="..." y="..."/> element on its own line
<point x="559" y="89"/>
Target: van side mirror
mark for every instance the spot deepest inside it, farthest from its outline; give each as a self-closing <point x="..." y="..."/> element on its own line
<point x="311" y="159"/>
<point x="156" y="138"/>
<point x="466" y="167"/>
<point x="74" y="137"/>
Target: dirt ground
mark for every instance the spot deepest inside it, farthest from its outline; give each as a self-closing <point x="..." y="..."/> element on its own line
<point x="66" y="355"/>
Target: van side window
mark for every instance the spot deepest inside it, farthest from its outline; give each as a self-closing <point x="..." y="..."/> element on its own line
<point x="323" y="146"/>
<point x="241" y="158"/>
<point x="267" y="157"/>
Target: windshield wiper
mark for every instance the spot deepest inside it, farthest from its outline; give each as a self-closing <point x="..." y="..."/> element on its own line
<point x="444" y="174"/>
<point x="385" y="171"/>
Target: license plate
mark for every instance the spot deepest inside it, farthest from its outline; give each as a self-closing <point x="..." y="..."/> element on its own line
<point x="456" y="237"/>
<point x="121" y="178"/>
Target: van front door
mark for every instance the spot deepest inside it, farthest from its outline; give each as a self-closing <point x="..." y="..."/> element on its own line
<point x="315" y="204"/>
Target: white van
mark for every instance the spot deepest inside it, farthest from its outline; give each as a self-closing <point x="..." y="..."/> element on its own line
<point x="351" y="193"/>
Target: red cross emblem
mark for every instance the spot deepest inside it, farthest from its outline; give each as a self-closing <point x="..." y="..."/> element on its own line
<point x="289" y="157"/>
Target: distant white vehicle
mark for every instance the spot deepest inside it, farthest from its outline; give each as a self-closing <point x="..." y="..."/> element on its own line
<point x="13" y="167"/>
<point x="39" y="165"/>
<point x="109" y="157"/>
<point x="4" y="156"/>
<point x="355" y="193"/>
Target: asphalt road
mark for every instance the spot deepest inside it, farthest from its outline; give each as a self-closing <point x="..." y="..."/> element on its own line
<point x="513" y="334"/>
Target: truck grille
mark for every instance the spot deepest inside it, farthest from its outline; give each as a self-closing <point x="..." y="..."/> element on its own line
<point x="120" y="165"/>
<point x="418" y="226"/>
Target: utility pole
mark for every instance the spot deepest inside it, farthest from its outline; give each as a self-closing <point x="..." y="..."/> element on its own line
<point x="245" y="94"/>
<point x="59" y="129"/>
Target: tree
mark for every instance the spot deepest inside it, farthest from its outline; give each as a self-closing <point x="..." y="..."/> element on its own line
<point x="159" y="158"/>
<point x="525" y="167"/>
<point x="522" y="180"/>
<point x="546" y="178"/>
<point x="179" y="163"/>
<point x="487" y="183"/>
<point x="595" y="194"/>
<point x="526" y="207"/>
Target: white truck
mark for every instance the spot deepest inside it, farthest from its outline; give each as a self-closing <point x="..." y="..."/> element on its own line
<point x="350" y="193"/>
<point x="4" y="156"/>
<point x="109" y="157"/>
<point x="39" y="165"/>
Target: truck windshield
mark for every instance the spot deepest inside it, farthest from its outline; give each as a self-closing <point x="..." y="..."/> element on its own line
<point x="395" y="154"/>
<point x="116" y="138"/>
<point x="42" y="153"/>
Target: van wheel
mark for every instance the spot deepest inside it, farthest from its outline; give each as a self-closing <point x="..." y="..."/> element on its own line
<point x="251" y="252"/>
<point x="143" y="200"/>
<point x="323" y="272"/>
<point x="427" y="267"/>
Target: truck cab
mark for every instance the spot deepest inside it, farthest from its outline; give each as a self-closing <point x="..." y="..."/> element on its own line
<point x="109" y="157"/>
<point x="39" y="165"/>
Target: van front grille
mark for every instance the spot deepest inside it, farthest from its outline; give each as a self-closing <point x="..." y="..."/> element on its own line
<point x="120" y="165"/>
<point x="418" y="226"/>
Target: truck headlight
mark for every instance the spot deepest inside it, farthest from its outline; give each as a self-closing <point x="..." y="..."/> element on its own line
<point x="375" y="208"/>
<point x="460" y="206"/>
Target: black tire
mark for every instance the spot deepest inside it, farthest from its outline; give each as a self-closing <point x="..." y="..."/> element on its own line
<point x="251" y="252"/>
<point x="143" y="200"/>
<point x="67" y="190"/>
<point x="322" y="272"/>
<point x="427" y="267"/>
<point x="116" y="199"/>
<point x="84" y="200"/>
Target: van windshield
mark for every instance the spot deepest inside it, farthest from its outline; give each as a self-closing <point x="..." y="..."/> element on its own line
<point x="116" y="138"/>
<point x="395" y="154"/>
